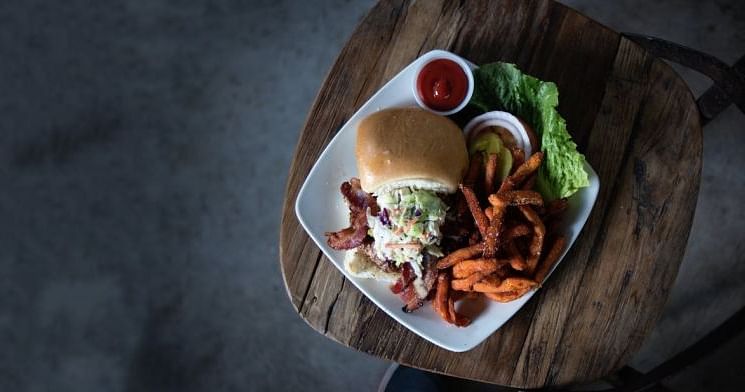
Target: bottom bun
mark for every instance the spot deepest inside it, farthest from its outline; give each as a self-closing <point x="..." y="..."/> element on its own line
<point x="360" y="266"/>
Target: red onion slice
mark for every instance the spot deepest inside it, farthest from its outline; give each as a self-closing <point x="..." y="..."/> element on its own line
<point x="504" y="120"/>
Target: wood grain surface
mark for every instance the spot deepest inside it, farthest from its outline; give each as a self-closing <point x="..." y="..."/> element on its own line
<point x="633" y="118"/>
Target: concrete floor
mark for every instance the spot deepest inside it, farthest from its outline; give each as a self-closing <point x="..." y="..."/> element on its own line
<point x="144" y="151"/>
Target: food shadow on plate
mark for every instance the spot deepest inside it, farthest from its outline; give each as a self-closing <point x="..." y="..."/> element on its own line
<point x="472" y="306"/>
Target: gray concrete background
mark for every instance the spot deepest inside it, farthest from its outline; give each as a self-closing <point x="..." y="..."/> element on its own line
<point x="144" y="147"/>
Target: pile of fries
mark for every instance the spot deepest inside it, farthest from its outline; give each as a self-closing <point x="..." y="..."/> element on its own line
<point x="513" y="243"/>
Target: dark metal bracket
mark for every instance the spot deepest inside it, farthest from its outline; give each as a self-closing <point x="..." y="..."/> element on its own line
<point x="729" y="82"/>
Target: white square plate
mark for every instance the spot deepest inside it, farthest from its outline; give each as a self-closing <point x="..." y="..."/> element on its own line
<point x="320" y="207"/>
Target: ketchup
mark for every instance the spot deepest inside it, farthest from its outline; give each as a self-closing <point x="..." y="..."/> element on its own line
<point x="442" y="85"/>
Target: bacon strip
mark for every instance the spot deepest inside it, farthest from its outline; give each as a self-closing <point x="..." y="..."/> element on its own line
<point x="411" y="300"/>
<point x="405" y="286"/>
<point x="358" y="201"/>
<point x="352" y="236"/>
<point x="430" y="275"/>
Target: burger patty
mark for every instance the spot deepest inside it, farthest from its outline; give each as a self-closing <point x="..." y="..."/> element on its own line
<point x="385" y="265"/>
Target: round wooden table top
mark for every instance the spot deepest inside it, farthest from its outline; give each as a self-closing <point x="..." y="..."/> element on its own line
<point x="630" y="114"/>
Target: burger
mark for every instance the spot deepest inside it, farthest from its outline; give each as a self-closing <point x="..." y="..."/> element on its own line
<point x="410" y="162"/>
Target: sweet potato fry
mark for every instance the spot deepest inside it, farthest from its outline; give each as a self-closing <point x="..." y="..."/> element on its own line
<point x="482" y="223"/>
<point x="518" y="284"/>
<point x="495" y="228"/>
<point x="536" y="244"/>
<point x="517" y="198"/>
<point x="440" y="302"/>
<point x="507" y="296"/>
<point x="495" y="200"/>
<point x="451" y="307"/>
<point x="489" y="284"/>
<point x="551" y="258"/>
<point x="522" y="172"/>
<point x="503" y="271"/>
<point x="511" y="284"/>
<point x="516" y="260"/>
<point x="489" y="212"/>
<point x="556" y="207"/>
<point x="467" y="268"/>
<point x="518" y="156"/>
<point x="516" y="231"/>
<point x="509" y="234"/>
<point x="466" y="284"/>
<point x="460" y="255"/>
<point x="472" y="175"/>
<point x="490" y="174"/>
<point x="529" y="183"/>
<point x="529" y="167"/>
<point x="457" y="318"/>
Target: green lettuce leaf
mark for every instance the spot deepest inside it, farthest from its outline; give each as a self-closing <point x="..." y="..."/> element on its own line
<point x="501" y="86"/>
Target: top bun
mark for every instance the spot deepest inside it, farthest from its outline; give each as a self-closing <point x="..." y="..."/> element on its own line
<point x="410" y="147"/>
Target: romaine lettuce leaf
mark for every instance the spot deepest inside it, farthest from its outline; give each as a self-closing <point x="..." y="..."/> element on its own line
<point x="501" y="86"/>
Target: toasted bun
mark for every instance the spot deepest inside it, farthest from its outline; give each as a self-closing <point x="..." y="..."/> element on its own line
<point x="359" y="265"/>
<point x="410" y="147"/>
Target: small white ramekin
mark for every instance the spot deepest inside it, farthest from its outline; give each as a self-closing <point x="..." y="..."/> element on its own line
<point x="436" y="55"/>
<point x="505" y="119"/>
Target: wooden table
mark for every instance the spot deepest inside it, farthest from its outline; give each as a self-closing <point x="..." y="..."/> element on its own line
<point x="633" y="118"/>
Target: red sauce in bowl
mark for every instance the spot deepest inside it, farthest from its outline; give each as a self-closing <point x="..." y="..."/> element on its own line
<point x="442" y="85"/>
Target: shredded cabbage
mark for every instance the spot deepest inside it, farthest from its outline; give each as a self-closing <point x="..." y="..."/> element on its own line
<point x="411" y="218"/>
